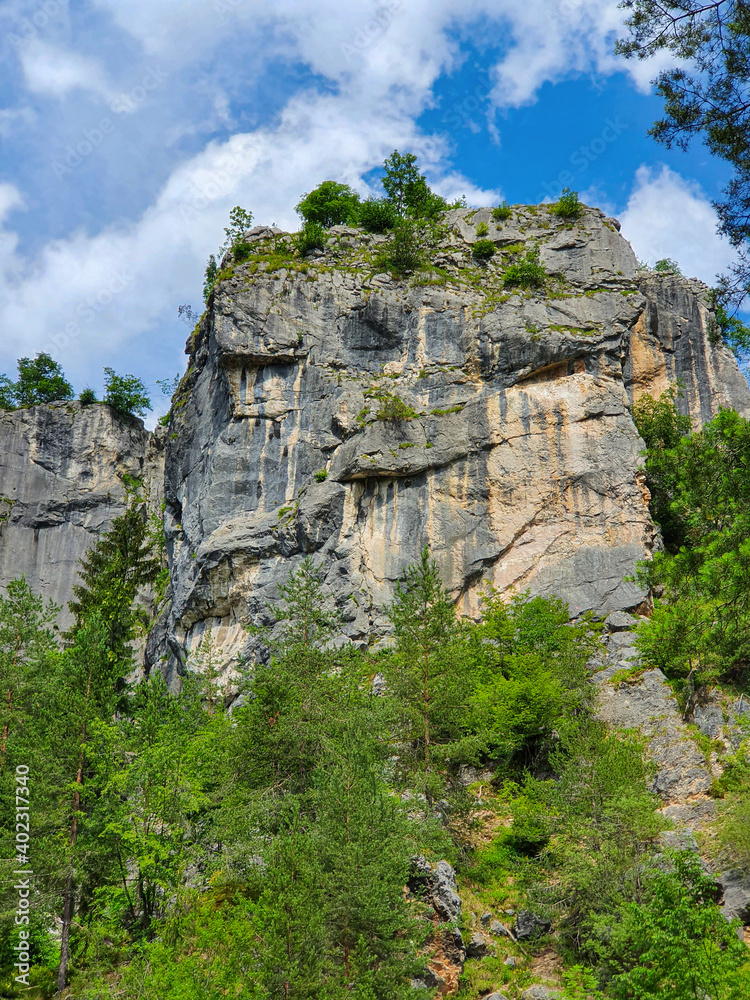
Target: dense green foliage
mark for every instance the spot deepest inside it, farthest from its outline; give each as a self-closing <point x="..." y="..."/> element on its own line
<point x="502" y="212"/>
<point x="330" y="204"/>
<point x="185" y="852"/>
<point x="706" y="94"/>
<point x="126" y="393"/>
<point x="40" y="380"/>
<point x="377" y="215"/>
<point x="404" y="251"/>
<point x="702" y="495"/>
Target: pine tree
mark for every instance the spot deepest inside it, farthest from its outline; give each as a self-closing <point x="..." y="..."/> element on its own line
<point x="112" y="572"/>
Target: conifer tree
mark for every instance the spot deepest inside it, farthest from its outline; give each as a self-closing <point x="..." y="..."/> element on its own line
<point x="112" y="572"/>
<point x="427" y="674"/>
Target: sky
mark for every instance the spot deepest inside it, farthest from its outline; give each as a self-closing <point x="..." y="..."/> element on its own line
<point x="130" y="128"/>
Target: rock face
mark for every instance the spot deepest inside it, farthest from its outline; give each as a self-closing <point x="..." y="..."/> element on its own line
<point x="334" y="411"/>
<point x="62" y="468"/>
<point x="330" y="410"/>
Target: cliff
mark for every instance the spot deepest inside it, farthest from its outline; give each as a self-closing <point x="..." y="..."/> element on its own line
<point x="63" y="470"/>
<point x="330" y="409"/>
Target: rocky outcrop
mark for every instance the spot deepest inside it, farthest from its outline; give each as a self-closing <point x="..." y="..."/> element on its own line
<point x="62" y="472"/>
<point x="334" y="411"/>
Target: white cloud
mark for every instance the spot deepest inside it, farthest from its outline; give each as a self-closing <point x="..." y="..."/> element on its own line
<point x="669" y="216"/>
<point x="88" y="294"/>
<point x="379" y="59"/>
<point x="10" y="198"/>
<point x="54" y="71"/>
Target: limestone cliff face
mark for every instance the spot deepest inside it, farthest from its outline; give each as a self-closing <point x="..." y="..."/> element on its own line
<point x="331" y="410"/>
<point x="61" y="485"/>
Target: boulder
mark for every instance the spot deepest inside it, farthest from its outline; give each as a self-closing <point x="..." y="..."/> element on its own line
<point x="477" y="946"/>
<point x="528" y="925"/>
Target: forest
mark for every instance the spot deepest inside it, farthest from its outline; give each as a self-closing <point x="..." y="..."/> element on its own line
<point x="162" y="846"/>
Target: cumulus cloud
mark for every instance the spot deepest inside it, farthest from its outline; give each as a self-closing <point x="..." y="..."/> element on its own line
<point x="369" y="72"/>
<point x="669" y="216"/>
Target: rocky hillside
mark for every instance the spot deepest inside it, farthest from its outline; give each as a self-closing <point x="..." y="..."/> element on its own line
<point x="331" y="408"/>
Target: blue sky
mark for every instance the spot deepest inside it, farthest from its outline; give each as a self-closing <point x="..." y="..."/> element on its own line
<point x="129" y="128"/>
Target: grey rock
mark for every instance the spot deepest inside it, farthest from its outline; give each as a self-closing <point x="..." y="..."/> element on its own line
<point x="511" y="961"/>
<point x="485" y="919"/>
<point x="61" y="486"/>
<point x="500" y="930"/>
<point x="521" y="467"/>
<point x="709" y="719"/>
<point x="496" y="996"/>
<point x="619" y="621"/>
<point x="477" y="946"/>
<point x="445" y="899"/>
<point x="524" y="479"/>
<point x="438" y="885"/>
<point x="679" y="840"/>
<point x="539" y="992"/>
<point x="735" y="887"/>
<point x="649" y="706"/>
<point x="528" y="925"/>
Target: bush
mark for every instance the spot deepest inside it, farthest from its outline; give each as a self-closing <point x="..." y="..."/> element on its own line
<point x="392" y="407"/>
<point x="321" y="475"/>
<point x="667" y="266"/>
<point x="527" y="273"/>
<point x="312" y="236"/>
<point x="330" y="204"/>
<point x="87" y="397"/>
<point x="241" y="251"/>
<point x="377" y="215"/>
<point x="483" y="249"/>
<point x="502" y="212"/>
<point x="568" y="205"/>
<point x="403" y="252"/>
<point x="482" y="229"/>
<point x="126" y="394"/>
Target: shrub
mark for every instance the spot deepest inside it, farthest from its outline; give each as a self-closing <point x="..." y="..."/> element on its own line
<point x="312" y="236"/>
<point x="321" y="475"/>
<point x="239" y="220"/>
<point x="392" y="407"/>
<point x="126" y="394"/>
<point x="483" y="249"/>
<point x="667" y="266"/>
<point x="527" y="273"/>
<point x="330" y="204"/>
<point x="377" y="215"/>
<point x="568" y="205"/>
<point x="241" y="251"/>
<point x="482" y="229"/>
<point x="502" y="212"/>
<point x="87" y="397"/>
<point x="403" y="252"/>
